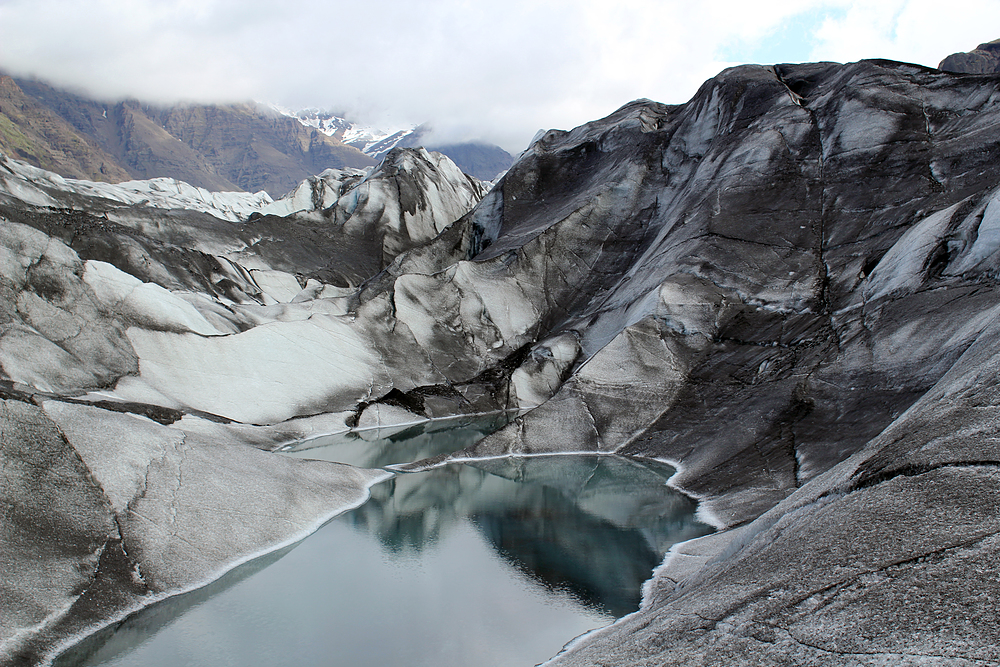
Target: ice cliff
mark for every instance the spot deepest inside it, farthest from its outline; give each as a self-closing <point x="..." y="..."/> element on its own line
<point x="786" y="287"/>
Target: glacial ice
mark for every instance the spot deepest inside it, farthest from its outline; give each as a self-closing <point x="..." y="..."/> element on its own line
<point x="269" y="374"/>
<point x="987" y="239"/>
<point x="40" y="188"/>
<point x="144" y="304"/>
<point x="316" y="193"/>
<point x="794" y="307"/>
<point x="903" y="266"/>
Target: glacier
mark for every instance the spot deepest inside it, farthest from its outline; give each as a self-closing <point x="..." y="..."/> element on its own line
<point x="785" y="287"/>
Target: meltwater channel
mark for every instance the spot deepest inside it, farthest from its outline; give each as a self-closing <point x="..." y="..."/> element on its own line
<point x="491" y="563"/>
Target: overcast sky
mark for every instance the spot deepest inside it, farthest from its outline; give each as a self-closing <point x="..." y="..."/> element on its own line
<point x="495" y="70"/>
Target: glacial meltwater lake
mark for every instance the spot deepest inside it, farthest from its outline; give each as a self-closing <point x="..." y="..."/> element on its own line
<point x="490" y="563"/>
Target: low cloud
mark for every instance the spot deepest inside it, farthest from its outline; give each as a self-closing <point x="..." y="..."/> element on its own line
<point x="496" y="71"/>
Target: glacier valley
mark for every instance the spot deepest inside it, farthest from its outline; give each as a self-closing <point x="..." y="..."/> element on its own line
<point x="785" y="290"/>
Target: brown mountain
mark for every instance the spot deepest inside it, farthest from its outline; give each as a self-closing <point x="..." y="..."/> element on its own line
<point x="218" y="147"/>
<point x="254" y="147"/>
<point x="32" y="132"/>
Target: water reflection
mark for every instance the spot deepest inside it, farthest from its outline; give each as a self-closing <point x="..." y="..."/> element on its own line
<point x="594" y="526"/>
<point x="495" y="562"/>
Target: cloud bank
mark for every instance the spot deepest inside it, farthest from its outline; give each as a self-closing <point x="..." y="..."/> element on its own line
<point x="496" y="71"/>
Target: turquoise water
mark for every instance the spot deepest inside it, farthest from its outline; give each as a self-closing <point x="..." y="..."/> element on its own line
<point x="493" y="563"/>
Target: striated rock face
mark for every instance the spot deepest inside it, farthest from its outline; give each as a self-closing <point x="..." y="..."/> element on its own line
<point x="888" y="558"/>
<point x="792" y="268"/>
<point x="785" y="287"/>
<point x="755" y="259"/>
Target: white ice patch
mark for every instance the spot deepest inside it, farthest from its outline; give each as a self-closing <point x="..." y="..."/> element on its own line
<point x="169" y="193"/>
<point x="316" y="193"/>
<point x="629" y="360"/>
<point x="379" y="420"/>
<point x="504" y="299"/>
<point x="268" y="437"/>
<point x="987" y="239"/>
<point x="281" y="287"/>
<point x="135" y="390"/>
<point x="690" y="305"/>
<point x="24" y="191"/>
<point x="859" y="126"/>
<point x="266" y="375"/>
<point x="335" y="298"/>
<point x="902" y="268"/>
<point x="117" y="448"/>
<point x="410" y="292"/>
<point x="20" y="247"/>
<point x="146" y="304"/>
<point x="33" y="360"/>
<point x="535" y="381"/>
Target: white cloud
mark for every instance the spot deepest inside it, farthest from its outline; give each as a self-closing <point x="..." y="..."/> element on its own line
<point x="918" y="31"/>
<point x="499" y="70"/>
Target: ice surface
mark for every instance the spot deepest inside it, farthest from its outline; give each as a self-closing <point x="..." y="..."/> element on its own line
<point x="903" y="267"/>
<point x="142" y="303"/>
<point x="987" y="239"/>
<point x="42" y="188"/>
<point x="378" y="420"/>
<point x="317" y="192"/>
<point x="268" y="374"/>
<point x="20" y="247"/>
<point x="117" y="448"/>
<point x="281" y="287"/>
<point x="536" y="380"/>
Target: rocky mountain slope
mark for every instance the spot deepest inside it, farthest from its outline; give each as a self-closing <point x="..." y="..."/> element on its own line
<point x="785" y="287"/>
<point x="218" y="147"/>
<point x="32" y="132"/>
<point x="222" y="147"/>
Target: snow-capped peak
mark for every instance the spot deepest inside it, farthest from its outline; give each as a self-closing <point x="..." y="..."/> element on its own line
<point x="371" y="141"/>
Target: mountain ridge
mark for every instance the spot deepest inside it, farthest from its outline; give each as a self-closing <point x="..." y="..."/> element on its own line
<point x="477" y="158"/>
<point x="222" y="147"/>
<point x="31" y="131"/>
